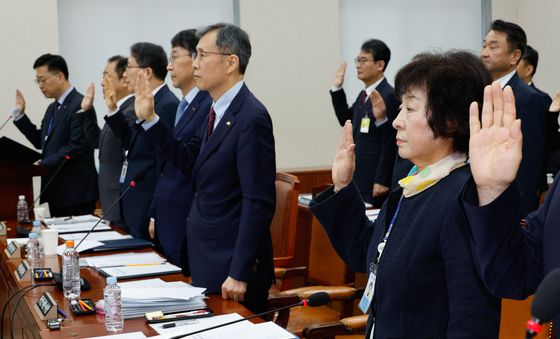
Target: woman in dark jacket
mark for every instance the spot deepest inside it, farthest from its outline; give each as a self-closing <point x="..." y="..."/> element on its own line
<point x="417" y="253"/>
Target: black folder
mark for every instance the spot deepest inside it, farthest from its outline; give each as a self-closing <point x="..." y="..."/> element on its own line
<point x="122" y="244"/>
<point x="14" y="151"/>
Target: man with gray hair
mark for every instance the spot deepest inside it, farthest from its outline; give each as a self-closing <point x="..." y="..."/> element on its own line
<point x="228" y="237"/>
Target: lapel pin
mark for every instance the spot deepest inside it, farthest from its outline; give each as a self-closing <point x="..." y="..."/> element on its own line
<point x="228" y="123"/>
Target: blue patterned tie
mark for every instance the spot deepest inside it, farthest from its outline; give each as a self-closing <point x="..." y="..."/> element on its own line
<point x="180" y="110"/>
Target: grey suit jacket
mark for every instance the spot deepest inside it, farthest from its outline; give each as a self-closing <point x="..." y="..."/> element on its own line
<point x="111" y="158"/>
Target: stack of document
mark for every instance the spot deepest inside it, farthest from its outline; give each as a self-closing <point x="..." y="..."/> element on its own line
<point x="240" y="330"/>
<point x="139" y="297"/>
<point x="83" y="223"/>
<point x="122" y="259"/>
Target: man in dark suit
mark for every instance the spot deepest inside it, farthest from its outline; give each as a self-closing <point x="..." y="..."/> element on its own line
<point x="111" y="152"/>
<point x="150" y="60"/>
<point x="526" y="70"/>
<point x="373" y="133"/>
<point x="502" y="50"/>
<point x="512" y="259"/>
<point x="73" y="191"/>
<point x="228" y="237"/>
<point x="173" y="192"/>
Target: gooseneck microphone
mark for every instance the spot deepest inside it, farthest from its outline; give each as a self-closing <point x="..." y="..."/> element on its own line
<point x="314" y="300"/>
<point x="135" y="180"/>
<point x="66" y="158"/>
<point x="5" y="122"/>
<point x="546" y="303"/>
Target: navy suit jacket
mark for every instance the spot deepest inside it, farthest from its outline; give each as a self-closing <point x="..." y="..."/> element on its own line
<point x="376" y="149"/>
<point x="173" y="193"/>
<point x="234" y="195"/>
<point x="427" y="283"/>
<point x="141" y="156"/>
<point x="529" y="107"/>
<point x="76" y="183"/>
<point x="513" y="260"/>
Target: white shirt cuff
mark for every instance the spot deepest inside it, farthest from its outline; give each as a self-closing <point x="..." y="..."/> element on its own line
<point x="334" y="88"/>
<point x="147" y="125"/>
<point x="17" y="114"/>
<point x="110" y="114"/>
<point x="380" y="122"/>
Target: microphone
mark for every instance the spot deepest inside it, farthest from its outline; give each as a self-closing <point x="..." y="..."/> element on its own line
<point x="136" y="179"/>
<point x="314" y="300"/>
<point x="5" y="122"/>
<point x="546" y="303"/>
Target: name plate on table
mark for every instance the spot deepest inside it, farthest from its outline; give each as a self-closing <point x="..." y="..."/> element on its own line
<point x="46" y="307"/>
<point x="2" y="229"/>
<point x="13" y="251"/>
<point x="21" y="270"/>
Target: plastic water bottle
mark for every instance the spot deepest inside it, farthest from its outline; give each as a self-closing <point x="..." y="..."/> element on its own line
<point x="22" y="215"/>
<point x="70" y="272"/>
<point x="113" y="305"/>
<point x="33" y="256"/>
<point x="37" y="230"/>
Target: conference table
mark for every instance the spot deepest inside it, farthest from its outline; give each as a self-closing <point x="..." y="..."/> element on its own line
<point x="27" y="323"/>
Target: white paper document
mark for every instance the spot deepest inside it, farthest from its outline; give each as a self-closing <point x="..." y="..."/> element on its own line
<point x="132" y="335"/>
<point x="71" y="219"/>
<point x="124" y="272"/>
<point x="123" y="259"/>
<point x="79" y="227"/>
<point x="84" y="246"/>
<point x="99" y="236"/>
<point x="19" y="241"/>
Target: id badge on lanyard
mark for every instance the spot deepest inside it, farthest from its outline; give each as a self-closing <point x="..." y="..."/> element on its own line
<point x="124" y="168"/>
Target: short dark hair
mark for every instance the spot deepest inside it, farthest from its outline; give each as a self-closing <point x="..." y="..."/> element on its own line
<point x="53" y="62"/>
<point x="150" y="55"/>
<point x="120" y="64"/>
<point x="515" y="35"/>
<point x="378" y="50"/>
<point x="531" y="57"/>
<point x="451" y="81"/>
<point x="231" y="39"/>
<point x="186" y="39"/>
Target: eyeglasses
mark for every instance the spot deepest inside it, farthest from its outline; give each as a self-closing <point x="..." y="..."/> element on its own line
<point x="361" y="61"/>
<point x="173" y="58"/>
<point x="134" y="66"/>
<point x="202" y="55"/>
<point x="42" y="80"/>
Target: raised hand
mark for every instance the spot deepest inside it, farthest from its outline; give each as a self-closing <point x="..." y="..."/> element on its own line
<point x="20" y="101"/>
<point x="345" y="160"/>
<point x="109" y="94"/>
<point x="378" y="106"/>
<point x="87" y="101"/>
<point x="339" y="77"/>
<point x="144" y="103"/>
<point x="555" y="105"/>
<point x="494" y="147"/>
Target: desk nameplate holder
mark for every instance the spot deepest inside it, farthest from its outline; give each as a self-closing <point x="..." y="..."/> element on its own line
<point x="21" y="271"/>
<point x="2" y="229"/>
<point x="13" y="250"/>
<point x="46" y="307"/>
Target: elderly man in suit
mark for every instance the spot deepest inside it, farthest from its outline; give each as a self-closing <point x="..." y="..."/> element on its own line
<point x="502" y="50"/>
<point x="149" y="60"/>
<point x="228" y="236"/>
<point x="73" y="191"/>
<point x="373" y="133"/>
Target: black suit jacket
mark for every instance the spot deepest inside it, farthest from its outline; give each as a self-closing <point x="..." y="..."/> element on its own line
<point x="376" y="149"/>
<point x="529" y="107"/>
<point x="141" y="156"/>
<point x="76" y="183"/>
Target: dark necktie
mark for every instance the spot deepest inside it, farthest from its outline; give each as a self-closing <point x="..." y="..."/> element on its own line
<point x="180" y="110"/>
<point x="51" y="120"/>
<point x="211" y="119"/>
<point x="362" y="97"/>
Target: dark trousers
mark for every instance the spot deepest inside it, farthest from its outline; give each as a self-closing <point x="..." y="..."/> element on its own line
<point x="74" y="210"/>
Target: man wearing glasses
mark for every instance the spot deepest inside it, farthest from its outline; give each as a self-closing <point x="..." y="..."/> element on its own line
<point x="173" y="192"/>
<point x="228" y="238"/>
<point x="73" y="190"/>
<point x="373" y="134"/>
<point x="151" y="61"/>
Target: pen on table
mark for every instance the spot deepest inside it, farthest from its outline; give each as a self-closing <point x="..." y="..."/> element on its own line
<point x="61" y="312"/>
<point x="179" y="323"/>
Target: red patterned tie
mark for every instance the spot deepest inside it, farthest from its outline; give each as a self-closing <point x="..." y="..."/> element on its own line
<point x="211" y="119"/>
<point x="362" y="98"/>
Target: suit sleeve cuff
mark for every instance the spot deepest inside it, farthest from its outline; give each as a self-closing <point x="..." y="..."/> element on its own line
<point x="335" y="89"/>
<point x="147" y="125"/>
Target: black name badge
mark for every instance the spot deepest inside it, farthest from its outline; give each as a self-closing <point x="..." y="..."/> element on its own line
<point x="46" y="306"/>
<point x="22" y="269"/>
<point x="12" y="250"/>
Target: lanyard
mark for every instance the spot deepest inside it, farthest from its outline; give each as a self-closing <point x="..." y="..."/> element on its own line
<point x="382" y="244"/>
